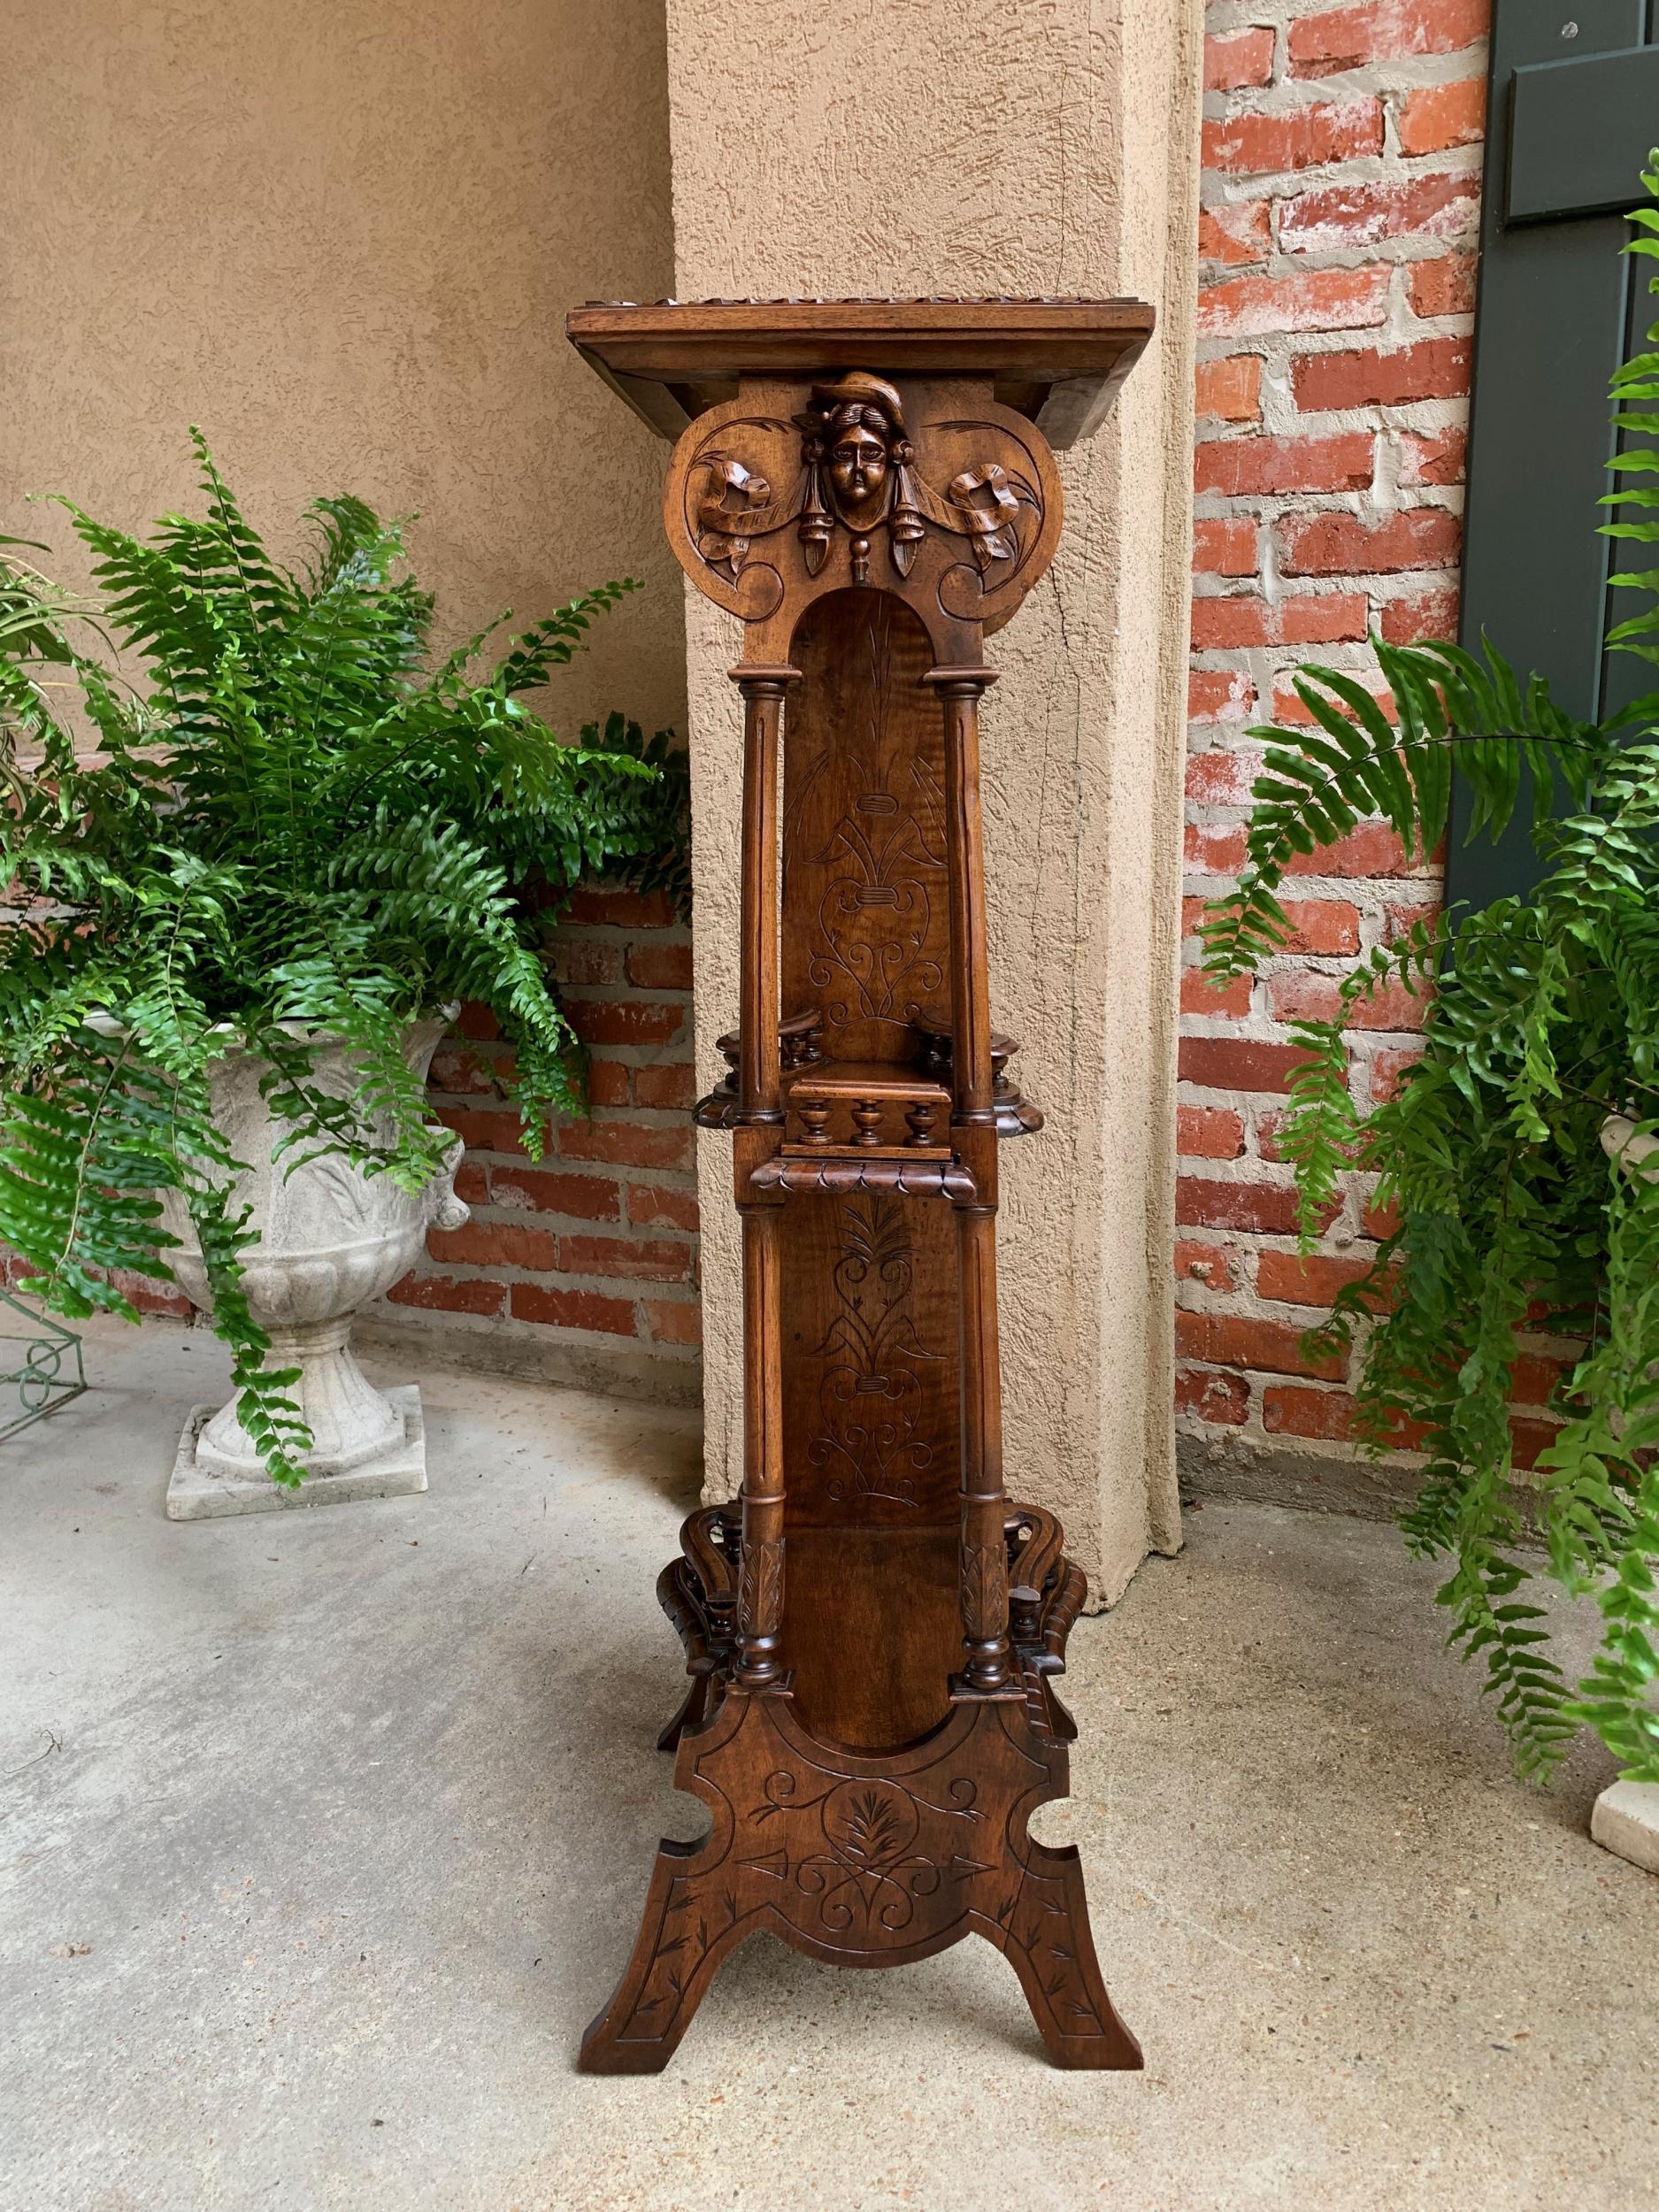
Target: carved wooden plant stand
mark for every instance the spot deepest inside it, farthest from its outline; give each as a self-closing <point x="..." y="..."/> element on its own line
<point x="869" y="487"/>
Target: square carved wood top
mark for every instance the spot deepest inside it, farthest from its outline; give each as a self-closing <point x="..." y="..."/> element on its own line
<point x="1058" y="361"/>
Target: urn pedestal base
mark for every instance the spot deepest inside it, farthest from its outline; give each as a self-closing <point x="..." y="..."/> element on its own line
<point x="198" y="1492"/>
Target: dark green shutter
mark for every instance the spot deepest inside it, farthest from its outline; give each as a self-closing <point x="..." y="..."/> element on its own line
<point x="1573" y="111"/>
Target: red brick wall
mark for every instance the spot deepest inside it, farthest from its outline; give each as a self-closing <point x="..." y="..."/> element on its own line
<point x="1340" y="204"/>
<point x="582" y="1266"/>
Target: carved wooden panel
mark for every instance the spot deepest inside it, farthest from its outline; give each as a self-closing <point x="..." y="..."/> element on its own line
<point x="864" y="1860"/>
<point x="866" y="915"/>
<point x="931" y="490"/>
<point x="870" y="1368"/>
<point x="871" y="1361"/>
<point x="871" y="1381"/>
<point x="870" y="1301"/>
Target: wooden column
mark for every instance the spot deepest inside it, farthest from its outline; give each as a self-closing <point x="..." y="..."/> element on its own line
<point x="763" y="690"/>
<point x="960" y="689"/>
<point x="760" y="1587"/>
<point x="984" y="1550"/>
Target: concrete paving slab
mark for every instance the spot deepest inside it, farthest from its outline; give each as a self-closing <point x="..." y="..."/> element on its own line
<point x="322" y="1836"/>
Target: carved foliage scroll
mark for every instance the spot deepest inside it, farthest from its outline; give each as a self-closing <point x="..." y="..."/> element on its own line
<point x="872" y="1436"/>
<point x="760" y="1588"/>
<point x="984" y="1590"/>
<point x="852" y="482"/>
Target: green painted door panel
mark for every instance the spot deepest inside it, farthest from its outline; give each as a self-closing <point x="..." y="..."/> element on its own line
<point x="1569" y="120"/>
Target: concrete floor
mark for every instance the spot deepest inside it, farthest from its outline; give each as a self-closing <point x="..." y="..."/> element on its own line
<point x="324" y="1834"/>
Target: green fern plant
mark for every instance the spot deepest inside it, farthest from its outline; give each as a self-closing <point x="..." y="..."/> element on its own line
<point x="1543" y="1020"/>
<point x="290" y="824"/>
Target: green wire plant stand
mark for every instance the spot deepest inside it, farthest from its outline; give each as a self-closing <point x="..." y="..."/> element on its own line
<point x="41" y="1366"/>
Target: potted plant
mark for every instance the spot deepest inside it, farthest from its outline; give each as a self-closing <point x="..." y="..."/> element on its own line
<point x="243" y="893"/>
<point x="1497" y="1154"/>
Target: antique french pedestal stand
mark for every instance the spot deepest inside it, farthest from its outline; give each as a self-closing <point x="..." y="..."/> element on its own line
<point x="870" y="486"/>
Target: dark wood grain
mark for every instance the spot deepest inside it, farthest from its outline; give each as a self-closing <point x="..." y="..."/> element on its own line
<point x="761" y="1581"/>
<point x="872" y="1634"/>
<point x="866" y="901"/>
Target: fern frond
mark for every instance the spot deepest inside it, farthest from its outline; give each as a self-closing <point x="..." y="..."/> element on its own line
<point x="1452" y="715"/>
<point x="1541" y="1020"/>
<point x="293" y="833"/>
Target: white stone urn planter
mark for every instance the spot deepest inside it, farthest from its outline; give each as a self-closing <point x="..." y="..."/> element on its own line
<point x="331" y="1239"/>
<point x="1625" y="1816"/>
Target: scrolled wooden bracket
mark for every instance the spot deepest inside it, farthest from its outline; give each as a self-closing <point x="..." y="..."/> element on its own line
<point x="1015" y="1116"/>
<point x="856" y="487"/>
<point x="800" y="1045"/>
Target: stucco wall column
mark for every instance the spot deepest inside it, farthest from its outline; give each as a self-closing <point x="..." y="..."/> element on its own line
<point x="912" y="149"/>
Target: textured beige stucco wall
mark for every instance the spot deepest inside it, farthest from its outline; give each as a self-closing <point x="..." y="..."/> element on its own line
<point x="1018" y="149"/>
<point x="342" y="238"/>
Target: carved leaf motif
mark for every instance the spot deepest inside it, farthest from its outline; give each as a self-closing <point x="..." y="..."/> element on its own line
<point x="353" y="1203"/>
<point x="985" y="1589"/>
<point x="869" y="1824"/>
<point x="870" y="1398"/>
<point x="761" y="1590"/>
<point x="877" y="939"/>
<point x="876" y="918"/>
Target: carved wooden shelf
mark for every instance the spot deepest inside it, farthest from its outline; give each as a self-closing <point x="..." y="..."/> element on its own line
<point x="922" y="1077"/>
<point x="869" y="487"/>
<point x="860" y="1079"/>
<point x="1057" y="361"/>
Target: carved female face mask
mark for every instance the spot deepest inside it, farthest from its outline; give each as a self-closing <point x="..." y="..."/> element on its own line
<point x="858" y="464"/>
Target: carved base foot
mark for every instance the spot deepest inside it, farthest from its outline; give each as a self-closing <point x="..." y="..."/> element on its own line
<point x="863" y="1860"/>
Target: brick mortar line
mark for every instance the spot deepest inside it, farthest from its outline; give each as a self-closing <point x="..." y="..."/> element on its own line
<point x="500" y="1047"/>
<point x="489" y="1214"/>
<point x="513" y="1270"/>
<point x="656" y="994"/>
<point x="621" y="1289"/>
<point x="1365" y="505"/>
<point x="558" y="1332"/>
<point x="1338" y="172"/>
<point x="1365" y="418"/>
<point x="682" y="1180"/>
<point x="1247" y="15"/>
<point x="620" y="932"/>
<point x="639" y="1118"/>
